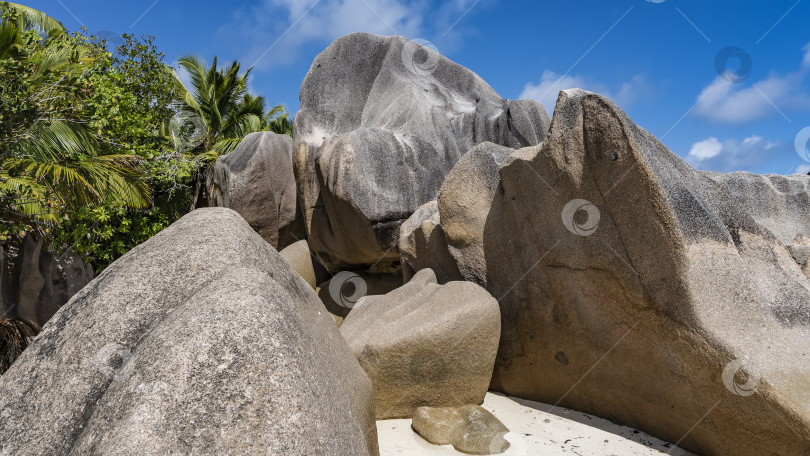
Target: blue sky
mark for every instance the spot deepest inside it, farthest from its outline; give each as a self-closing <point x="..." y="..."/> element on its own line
<point x="657" y="59"/>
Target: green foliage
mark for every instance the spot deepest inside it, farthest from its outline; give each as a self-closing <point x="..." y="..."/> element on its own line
<point x="50" y="160"/>
<point x="132" y="100"/>
<point x="88" y="157"/>
<point x="220" y="98"/>
<point x="29" y="19"/>
<point x="281" y="125"/>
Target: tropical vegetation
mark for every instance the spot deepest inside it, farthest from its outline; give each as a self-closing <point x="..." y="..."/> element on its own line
<point x="226" y="112"/>
<point x="102" y="148"/>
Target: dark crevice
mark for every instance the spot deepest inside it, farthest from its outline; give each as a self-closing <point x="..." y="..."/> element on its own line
<point x="521" y="139"/>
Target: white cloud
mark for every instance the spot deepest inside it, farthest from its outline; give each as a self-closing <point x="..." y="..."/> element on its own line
<point x="551" y="84"/>
<point x="723" y="101"/>
<point x="705" y="149"/>
<point x="803" y="169"/>
<point x="731" y="155"/>
<point x="287" y="25"/>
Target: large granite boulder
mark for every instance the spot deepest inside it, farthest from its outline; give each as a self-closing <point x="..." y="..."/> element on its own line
<point x="779" y="203"/>
<point x="35" y="283"/>
<point x="382" y="121"/>
<point x="425" y="344"/>
<point x="471" y="186"/>
<point x="299" y="257"/>
<point x="201" y="340"/>
<point x="636" y="288"/>
<point x="256" y="180"/>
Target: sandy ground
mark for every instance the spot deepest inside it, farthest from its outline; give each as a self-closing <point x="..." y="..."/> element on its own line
<point x="537" y="429"/>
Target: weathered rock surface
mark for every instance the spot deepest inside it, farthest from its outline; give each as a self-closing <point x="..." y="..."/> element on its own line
<point x="425" y="344"/>
<point x="256" y="180"/>
<point x="636" y="288"/>
<point x="800" y="251"/>
<point x="64" y="274"/>
<point x="298" y="256"/>
<point x="473" y="184"/>
<point x="778" y="203"/>
<point x="35" y="283"/>
<point x="226" y="351"/>
<point x="382" y="121"/>
<point x="471" y="429"/>
<point x="422" y="245"/>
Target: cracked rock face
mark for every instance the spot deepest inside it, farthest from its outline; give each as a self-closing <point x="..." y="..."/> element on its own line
<point x="382" y="121"/>
<point x="636" y="288"/>
<point x="227" y="350"/>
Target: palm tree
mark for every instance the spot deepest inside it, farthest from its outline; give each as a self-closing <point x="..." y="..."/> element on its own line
<point x="280" y="124"/>
<point x="26" y="19"/>
<point x="220" y="98"/>
<point x="60" y="165"/>
<point x="50" y="163"/>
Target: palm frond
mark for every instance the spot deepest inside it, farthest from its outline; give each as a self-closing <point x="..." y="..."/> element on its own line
<point x="64" y="158"/>
<point x="10" y="42"/>
<point x="31" y="19"/>
<point x="223" y="147"/>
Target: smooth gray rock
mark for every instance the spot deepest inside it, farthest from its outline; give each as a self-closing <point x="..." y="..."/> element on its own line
<point x="422" y="245"/>
<point x="64" y="274"/>
<point x="636" y="288"/>
<point x="256" y="180"/>
<point x="298" y="256"/>
<point x="5" y="273"/>
<point x="26" y="280"/>
<point x="471" y="429"/>
<point x="200" y="340"/>
<point x="35" y="283"/>
<point x="382" y="121"/>
<point x="472" y="184"/>
<point x="425" y="344"/>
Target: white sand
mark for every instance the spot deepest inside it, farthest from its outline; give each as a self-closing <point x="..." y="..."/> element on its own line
<point x="537" y="429"/>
